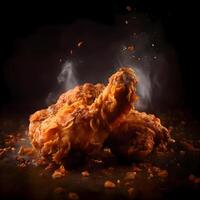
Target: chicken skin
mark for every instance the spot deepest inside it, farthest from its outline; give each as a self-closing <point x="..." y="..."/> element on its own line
<point x="81" y="118"/>
<point x="135" y="135"/>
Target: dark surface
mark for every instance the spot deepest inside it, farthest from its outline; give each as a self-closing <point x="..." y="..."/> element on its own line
<point x="26" y="81"/>
<point x="34" y="182"/>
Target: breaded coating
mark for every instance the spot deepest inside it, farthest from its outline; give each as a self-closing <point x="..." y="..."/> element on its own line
<point x="136" y="134"/>
<point x="81" y="118"/>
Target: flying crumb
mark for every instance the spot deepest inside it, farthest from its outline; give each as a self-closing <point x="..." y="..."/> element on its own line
<point x="130" y="48"/>
<point x="109" y="184"/>
<point x="126" y="21"/>
<point x="129" y="8"/>
<point x="80" y="44"/>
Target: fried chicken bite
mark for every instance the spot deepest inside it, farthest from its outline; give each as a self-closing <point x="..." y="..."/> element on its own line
<point x="79" y="122"/>
<point x="135" y="135"/>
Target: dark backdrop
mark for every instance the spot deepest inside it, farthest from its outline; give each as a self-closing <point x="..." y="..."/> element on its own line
<point x="180" y="21"/>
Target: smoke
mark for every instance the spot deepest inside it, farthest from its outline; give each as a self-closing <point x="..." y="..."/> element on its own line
<point x="67" y="76"/>
<point x="66" y="80"/>
<point x="144" y="89"/>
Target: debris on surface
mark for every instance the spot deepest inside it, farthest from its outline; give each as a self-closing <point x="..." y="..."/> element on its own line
<point x="85" y="173"/>
<point x="109" y="184"/>
<point x="59" y="173"/>
<point x="73" y="196"/>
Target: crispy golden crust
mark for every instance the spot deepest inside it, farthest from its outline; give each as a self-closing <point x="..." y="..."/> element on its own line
<point x="80" y="118"/>
<point x="137" y="134"/>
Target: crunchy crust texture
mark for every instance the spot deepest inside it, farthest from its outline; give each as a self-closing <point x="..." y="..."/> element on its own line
<point x="81" y="117"/>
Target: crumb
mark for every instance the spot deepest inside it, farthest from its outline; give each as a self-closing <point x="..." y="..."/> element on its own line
<point x="59" y="173"/>
<point x="109" y="184"/>
<point x="80" y="43"/>
<point x="130" y="48"/>
<point x="130" y="175"/>
<point x="128" y="8"/>
<point x="73" y="196"/>
<point x="118" y="181"/>
<point x="85" y="173"/>
<point x="59" y="190"/>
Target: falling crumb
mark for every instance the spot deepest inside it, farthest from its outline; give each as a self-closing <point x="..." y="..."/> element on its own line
<point x="60" y="60"/>
<point x="71" y="51"/>
<point x="129" y="8"/>
<point x="85" y="173"/>
<point x="118" y="181"/>
<point x="130" y="175"/>
<point x="109" y="184"/>
<point x="59" y="173"/>
<point x="130" y="48"/>
<point x="80" y="44"/>
<point x="126" y="21"/>
<point x="130" y="191"/>
<point x="153" y="45"/>
<point x="73" y="196"/>
<point x="155" y="57"/>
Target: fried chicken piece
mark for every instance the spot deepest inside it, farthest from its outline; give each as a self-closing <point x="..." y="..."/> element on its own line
<point x="135" y="135"/>
<point x="77" y="123"/>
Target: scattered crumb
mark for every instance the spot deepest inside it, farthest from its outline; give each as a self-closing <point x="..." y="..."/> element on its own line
<point x="163" y="173"/>
<point x="59" y="173"/>
<point x="109" y="184"/>
<point x="85" y="173"/>
<point x="130" y="175"/>
<point x="118" y="181"/>
<point x="73" y="196"/>
<point x="130" y="48"/>
<point x="59" y="190"/>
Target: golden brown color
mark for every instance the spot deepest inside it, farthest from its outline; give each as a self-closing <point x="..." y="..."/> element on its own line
<point x="81" y="118"/>
<point x="137" y="134"/>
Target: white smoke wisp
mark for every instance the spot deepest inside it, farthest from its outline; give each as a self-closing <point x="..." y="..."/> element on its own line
<point x="66" y="80"/>
<point x="67" y="76"/>
<point x="144" y="89"/>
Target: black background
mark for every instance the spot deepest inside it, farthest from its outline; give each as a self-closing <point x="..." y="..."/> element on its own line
<point x="180" y="21"/>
